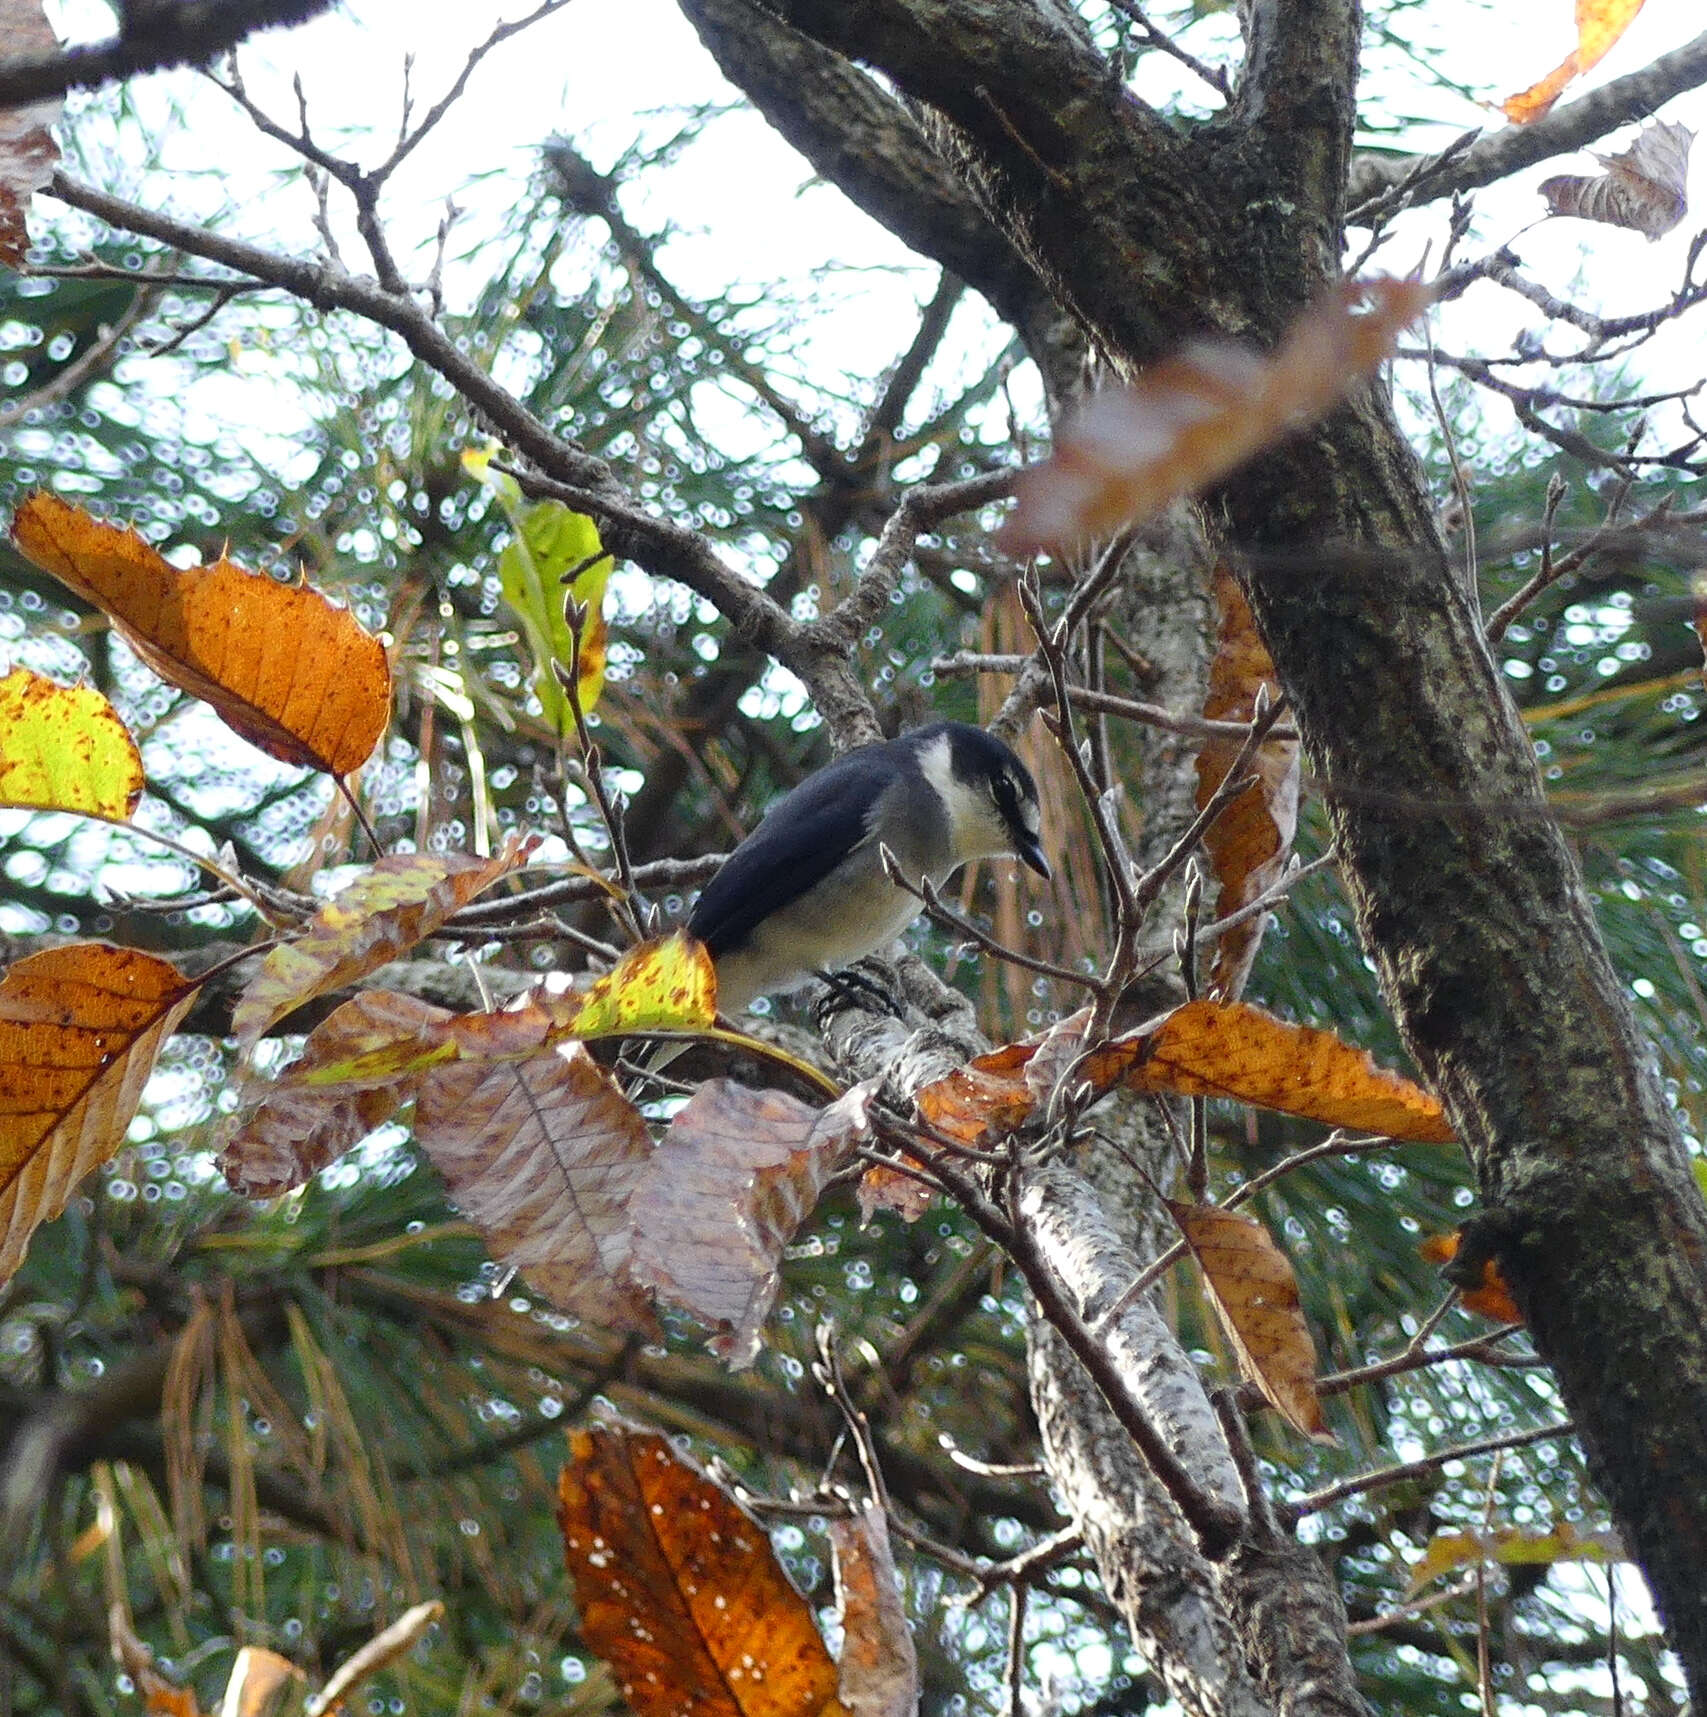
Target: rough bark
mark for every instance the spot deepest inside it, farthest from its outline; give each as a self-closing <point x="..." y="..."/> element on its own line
<point x="1466" y="895"/>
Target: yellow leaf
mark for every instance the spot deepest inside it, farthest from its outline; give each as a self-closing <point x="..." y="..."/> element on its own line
<point x="664" y="985"/>
<point x="64" y="748"/>
<point x="1231" y="1049"/>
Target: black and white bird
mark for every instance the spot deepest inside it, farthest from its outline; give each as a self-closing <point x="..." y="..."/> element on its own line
<point x="807" y="891"/>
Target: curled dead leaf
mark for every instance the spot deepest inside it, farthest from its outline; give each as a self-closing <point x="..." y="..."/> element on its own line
<point x="1250" y="842"/>
<point x="1645" y="188"/>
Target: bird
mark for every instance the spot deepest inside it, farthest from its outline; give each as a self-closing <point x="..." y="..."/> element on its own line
<point x="808" y="892"/>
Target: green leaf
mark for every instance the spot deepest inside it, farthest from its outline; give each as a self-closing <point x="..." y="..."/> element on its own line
<point x="550" y="541"/>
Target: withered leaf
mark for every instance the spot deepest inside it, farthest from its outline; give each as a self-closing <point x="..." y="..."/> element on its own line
<point x="291" y="1127"/>
<point x="1599" y="25"/>
<point x="879" y="1669"/>
<point x="28" y="153"/>
<point x="544" y="1156"/>
<point x="65" y="748"/>
<point x="735" y="1175"/>
<point x="1255" y="1293"/>
<point x="981" y="1101"/>
<point x="679" y="1590"/>
<point x="1250" y="842"/>
<point x="80" y="1029"/>
<point x="1198" y="415"/>
<point x="281" y="665"/>
<point x="1646" y="188"/>
<point x="375" y="919"/>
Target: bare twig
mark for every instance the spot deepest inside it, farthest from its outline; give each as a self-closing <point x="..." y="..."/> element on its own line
<point x="1326" y="1497"/>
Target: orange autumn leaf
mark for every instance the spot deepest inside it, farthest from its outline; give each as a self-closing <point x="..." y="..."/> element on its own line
<point x="281" y="665"/>
<point x="64" y="748"/>
<point x="1488" y="1294"/>
<point x="1197" y="416"/>
<point x="80" y="1028"/>
<point x="1599" y="25"/>
<point x="544" y="1156"/>
<point x="1231" y="1049"/>
<point x="1255" y="1294"/>
<point x="292" y="1126"/>
<point x="679" y="1590"/>
<point x="1250" y="842"/>
<point x="733" y="1178"/>
<point x="375" y="919"/>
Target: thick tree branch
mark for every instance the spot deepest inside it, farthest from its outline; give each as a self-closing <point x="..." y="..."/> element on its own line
<point x="1573" y="126"/>
<point x="178" y="32"/>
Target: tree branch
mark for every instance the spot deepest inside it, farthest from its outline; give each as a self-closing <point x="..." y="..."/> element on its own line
<point x="178" y="33"/>
<point x="1514" y="147"/>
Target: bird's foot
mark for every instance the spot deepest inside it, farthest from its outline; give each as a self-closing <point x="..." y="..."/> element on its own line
<point x="869" y="985"/>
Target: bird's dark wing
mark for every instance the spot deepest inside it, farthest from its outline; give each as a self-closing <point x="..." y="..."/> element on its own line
<point x="802" y="839"/>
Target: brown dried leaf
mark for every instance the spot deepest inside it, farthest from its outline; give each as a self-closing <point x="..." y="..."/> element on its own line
<point x="902" y="1194"/>
<point x="1646" y="188"/>
<point x="1255" y="1293"/>
<point x="679" y="1590"/>
<point x="1197" y="416"/>
<point x="1231" y="1049"/>
<point x="1599" y="25"/>
<point x="65" y="748"/>
<point x="544" y="1156"/>
<point x="280" y="664"/>
<point x="80" y="1028"/>
<point x="1250" y="842"/>
<point x="981" y="1101"/>
<point x="735" y="1175"/>
<point x="28" y="153"/>
<point x="295" y="1124"/>
<point x="376" y="918"/>
<point x="258" y="1683"/>
<point x="879" y="1669"/>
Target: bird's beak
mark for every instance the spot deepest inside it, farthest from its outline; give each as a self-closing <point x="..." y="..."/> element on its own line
<point x="1030" y="849"/>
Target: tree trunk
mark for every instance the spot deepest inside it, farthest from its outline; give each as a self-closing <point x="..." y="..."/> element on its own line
<point x="1466" y="896"/>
